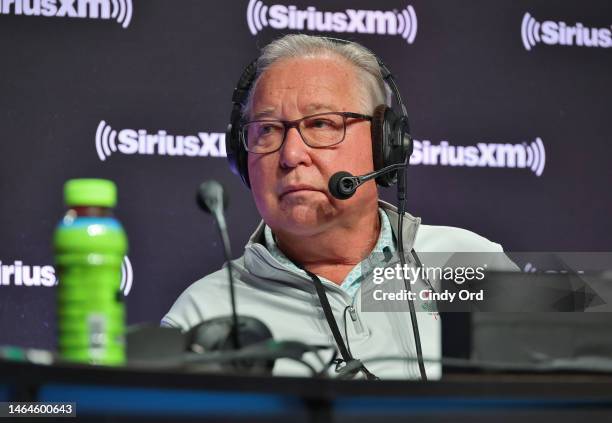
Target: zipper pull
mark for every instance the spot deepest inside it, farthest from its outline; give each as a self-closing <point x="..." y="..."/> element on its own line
<point x="356" y="322"/>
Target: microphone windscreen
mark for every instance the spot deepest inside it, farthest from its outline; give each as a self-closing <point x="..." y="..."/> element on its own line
<point x="339" y="188"/>
<point x="211" y="196"/>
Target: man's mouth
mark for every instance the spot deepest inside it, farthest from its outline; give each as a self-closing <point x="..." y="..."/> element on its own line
<point x="295" y="189"/>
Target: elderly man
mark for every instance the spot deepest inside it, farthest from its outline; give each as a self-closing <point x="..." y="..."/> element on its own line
<point x="308" y="116"/>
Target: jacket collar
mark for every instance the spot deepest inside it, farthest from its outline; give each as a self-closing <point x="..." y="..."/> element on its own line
<point x="410" y="228"/>
<point x="260" y="262"/>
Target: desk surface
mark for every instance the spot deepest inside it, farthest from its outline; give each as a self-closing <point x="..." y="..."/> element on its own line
<point x="140" y="392"/>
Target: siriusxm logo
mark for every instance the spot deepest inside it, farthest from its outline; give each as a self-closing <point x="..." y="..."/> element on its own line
<point x="278" y="16"/>
<point x="525" y="156"/>
<point x="119" y="10"/>
<point x="560" y="33"/>
<point x="127" y="276"/>
<point x="19" y="274"/>
<point x="132" y="141"/>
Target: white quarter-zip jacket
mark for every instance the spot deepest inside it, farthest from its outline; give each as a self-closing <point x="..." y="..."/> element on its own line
<point x="286" y="301"/>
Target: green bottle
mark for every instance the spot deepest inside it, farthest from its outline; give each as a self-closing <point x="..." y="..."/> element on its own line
<point x="89" y="248"/>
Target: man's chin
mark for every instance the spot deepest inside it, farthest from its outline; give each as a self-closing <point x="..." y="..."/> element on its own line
<point x="304" y="219"/>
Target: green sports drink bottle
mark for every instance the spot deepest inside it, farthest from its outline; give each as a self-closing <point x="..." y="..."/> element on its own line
<point x="89" y="246"/>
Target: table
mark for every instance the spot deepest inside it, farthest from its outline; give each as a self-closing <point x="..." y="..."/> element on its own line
<point x="169" y="395"/>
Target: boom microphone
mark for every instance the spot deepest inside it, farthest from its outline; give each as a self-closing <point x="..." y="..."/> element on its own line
<point x="227" y="332"/>
<point x="211" y="198"/>
<point x="237" y="343"/>
<point x="342" y="185"/>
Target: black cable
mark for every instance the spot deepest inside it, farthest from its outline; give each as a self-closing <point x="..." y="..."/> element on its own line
<point x="401" y="200"/>
<point x="348" y="343"/>
<point x="329" y="315"/>
<point x="423" y="274"/>
<point x="332" y="361"/>
<point x="401" y="203"/>
<point x="333" y="326"/>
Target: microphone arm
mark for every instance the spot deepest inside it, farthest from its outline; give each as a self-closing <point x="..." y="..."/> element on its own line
<point x="342" y="185"/>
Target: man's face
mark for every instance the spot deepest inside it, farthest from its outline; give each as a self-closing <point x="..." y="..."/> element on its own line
<point x="290" y="185"/>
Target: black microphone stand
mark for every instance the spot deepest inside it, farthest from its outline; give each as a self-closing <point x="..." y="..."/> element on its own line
<point x="220" y="219"/>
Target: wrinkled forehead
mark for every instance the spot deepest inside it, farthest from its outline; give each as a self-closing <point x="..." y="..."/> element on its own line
<point x="305" y="85"/>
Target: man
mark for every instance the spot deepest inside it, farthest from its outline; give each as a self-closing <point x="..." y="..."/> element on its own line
<point x="306" y="88"/>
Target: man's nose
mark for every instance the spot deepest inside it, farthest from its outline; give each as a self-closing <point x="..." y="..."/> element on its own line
<point x="294" y="151"/>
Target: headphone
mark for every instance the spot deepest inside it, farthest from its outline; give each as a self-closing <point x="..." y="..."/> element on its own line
<point x="391" y="140"/>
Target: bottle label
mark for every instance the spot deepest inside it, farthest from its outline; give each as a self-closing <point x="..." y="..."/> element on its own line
<point x="97" y="336"/>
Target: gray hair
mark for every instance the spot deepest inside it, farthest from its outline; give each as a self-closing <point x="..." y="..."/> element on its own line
<point x="373" y="88"/>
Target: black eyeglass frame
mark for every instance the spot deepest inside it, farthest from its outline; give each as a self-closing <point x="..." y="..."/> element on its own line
<point x="288" y="124"/>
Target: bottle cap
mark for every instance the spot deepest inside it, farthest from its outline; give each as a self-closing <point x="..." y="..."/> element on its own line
<point x="90" y="192"/>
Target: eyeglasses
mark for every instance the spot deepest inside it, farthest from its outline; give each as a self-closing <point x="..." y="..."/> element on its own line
<point x="318" y="131"/>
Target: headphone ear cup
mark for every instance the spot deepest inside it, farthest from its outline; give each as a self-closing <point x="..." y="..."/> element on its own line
<point x="236" y="154"/>
<point x="387" y="128"/>
<point x="378" y="136"/>
<point x="243" y="166"/>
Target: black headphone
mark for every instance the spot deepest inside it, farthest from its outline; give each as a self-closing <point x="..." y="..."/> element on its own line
<point x="391" y="140"/>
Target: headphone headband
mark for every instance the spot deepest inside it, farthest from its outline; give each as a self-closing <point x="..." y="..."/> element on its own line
<point x="391" y="140"/>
